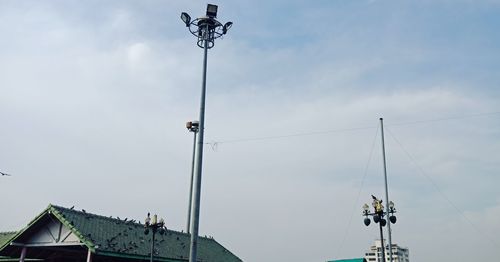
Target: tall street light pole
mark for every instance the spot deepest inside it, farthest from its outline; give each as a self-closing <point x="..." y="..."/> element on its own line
<point x="206" y="29"/>
<point x="389" y="233"/>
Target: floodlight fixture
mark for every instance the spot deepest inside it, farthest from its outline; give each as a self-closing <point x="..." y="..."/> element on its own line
<point x="226" y="27"/>
<point x="192" y="126"/>
<point x="186" y="18"/>
<point x="212" y="11"/>
<point x="206" y="28"/>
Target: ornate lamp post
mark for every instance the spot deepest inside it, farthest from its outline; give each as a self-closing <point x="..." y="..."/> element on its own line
<point x="206" y="29"/>
<point x="378" y="215"/>
<point x="155" y="226"/>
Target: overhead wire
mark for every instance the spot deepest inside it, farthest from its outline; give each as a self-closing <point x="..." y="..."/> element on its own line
<point x="291" y="135"/>
<point x="214" y="144"/>
<point x="365" y="173"/>
<point x="441" y="193"/>
<point x="444" y="119"/>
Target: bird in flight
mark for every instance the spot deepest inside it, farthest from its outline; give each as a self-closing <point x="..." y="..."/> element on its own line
<point x="4" y="174"/>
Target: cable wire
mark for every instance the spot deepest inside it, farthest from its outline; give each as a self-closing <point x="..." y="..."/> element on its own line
<point x="263" y="138"/>
<point x="292" y="135"/>
<point x="438" y="189"/>
<point x="444" y="119"/>
<point x="359" y="192"/>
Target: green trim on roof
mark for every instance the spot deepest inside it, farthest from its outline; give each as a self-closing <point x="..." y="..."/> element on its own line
<point x="5" y="237"/>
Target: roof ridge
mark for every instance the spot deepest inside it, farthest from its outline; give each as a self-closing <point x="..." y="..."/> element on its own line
<point x="84" y="212"/>
<point x="128" y="222"/>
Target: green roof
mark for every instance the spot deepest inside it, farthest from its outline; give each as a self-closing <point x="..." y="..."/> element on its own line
<point x="125" y="238"/>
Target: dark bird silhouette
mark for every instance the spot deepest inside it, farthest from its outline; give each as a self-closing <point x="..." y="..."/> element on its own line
<point x="71" y="208"/>
<point x="375" y="198"/>
<point x="4" y="174"/>
<point x="83" y="210"/>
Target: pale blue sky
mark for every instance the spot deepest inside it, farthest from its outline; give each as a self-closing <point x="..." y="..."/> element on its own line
<point x="94" y="96"/>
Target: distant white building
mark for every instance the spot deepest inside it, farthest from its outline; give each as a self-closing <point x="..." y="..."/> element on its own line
<point x="399" y="254"/>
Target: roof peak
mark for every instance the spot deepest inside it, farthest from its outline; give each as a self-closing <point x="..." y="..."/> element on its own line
<point x="84" y="212"/>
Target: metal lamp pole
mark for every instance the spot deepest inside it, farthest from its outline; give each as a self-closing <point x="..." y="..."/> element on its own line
<point x="206" y="29"/>
<point x="389" y="233"/>
<point x="192" y="126"/>
<point x="382" y="242"/>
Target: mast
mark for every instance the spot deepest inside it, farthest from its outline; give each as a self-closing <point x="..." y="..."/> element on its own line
<point x="386" y="191"/>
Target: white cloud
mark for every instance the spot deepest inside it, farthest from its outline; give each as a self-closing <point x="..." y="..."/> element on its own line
<point x="137" y="53"/>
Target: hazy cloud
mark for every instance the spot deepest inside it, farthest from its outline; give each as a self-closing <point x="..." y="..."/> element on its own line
<point x="95" y="96"/>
